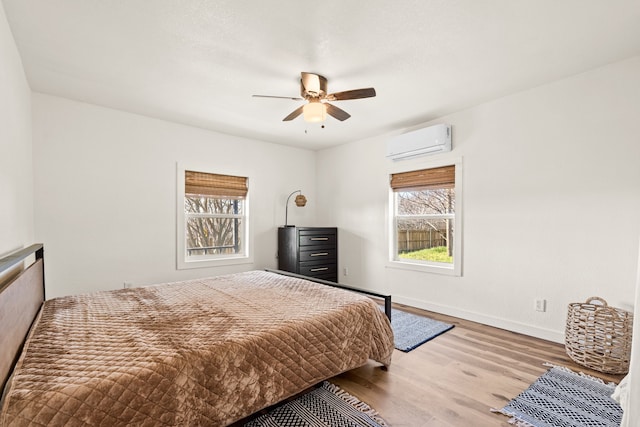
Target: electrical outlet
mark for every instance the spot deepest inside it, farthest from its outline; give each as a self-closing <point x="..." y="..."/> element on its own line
<point x="345" y="271"/>
<point x="128" y="285"/>
<point x="541" y="304"/>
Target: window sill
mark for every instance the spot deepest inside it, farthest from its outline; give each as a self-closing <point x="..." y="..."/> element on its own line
<point x="424" y="268"/>
<point x="218" y="262"/>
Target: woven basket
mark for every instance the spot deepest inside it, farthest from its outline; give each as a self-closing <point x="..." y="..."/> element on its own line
<point x="598" y="336"/>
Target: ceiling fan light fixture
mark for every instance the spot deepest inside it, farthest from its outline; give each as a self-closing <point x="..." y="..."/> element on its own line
<point x="314" y="112"/>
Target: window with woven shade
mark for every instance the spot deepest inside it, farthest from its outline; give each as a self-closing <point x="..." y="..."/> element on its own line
<point x="214" y="222"/>
<point x="424" y="221"/>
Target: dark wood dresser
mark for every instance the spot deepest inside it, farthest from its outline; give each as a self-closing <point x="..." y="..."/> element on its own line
<point x="310" y="251"/>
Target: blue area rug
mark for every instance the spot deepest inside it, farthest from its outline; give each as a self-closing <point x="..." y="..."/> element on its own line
<point x="563" y="398"/>
<point x="411" y="330"/>
<point x="325" y="406"/>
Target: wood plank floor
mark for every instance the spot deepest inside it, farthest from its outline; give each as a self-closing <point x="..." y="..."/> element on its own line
<point x="453" y="380"/>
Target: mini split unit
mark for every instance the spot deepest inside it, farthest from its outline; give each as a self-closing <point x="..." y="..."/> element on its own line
<point x="429" y="140"/>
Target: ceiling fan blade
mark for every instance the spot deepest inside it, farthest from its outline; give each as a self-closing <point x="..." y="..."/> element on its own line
<point x="368" y="92"/>
<point x="336" y="112"/>
<point x="280" y="97"/>
<point x="294" y="114"/>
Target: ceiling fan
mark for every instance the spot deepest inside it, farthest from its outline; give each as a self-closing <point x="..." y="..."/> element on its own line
<point x="313" y="88"/>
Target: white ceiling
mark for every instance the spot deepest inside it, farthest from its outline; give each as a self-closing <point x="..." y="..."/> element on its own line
<point x="198" y="62"/>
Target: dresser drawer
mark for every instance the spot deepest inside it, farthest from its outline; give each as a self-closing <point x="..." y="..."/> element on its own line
<point x="318" y="253"/>
<point x="318" y="239"/>
<point x="331" y="277"/>
<point x="318" y="270"/>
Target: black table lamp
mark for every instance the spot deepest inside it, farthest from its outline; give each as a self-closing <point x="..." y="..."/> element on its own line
<point x="300" y="202"/>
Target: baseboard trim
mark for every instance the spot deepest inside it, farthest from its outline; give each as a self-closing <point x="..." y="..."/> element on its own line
<point x="521" y="328"/>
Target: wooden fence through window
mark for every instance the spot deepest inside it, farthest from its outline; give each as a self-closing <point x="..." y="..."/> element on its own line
<point x="415" y="240"/>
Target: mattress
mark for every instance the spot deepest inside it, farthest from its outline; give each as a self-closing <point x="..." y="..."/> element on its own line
<point x="200" y="352"/>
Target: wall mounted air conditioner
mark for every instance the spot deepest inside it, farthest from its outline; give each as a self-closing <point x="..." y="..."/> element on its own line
<point x="429" y="140"/>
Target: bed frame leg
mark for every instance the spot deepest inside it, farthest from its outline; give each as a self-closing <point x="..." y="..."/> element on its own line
<point x="40" y="255"/>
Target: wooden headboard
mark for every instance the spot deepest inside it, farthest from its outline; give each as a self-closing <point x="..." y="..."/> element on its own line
<point x="20" y="302"/>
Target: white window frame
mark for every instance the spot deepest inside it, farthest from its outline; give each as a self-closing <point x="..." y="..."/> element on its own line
<point x="183" y="261"/>
<point x="454" y="269"/>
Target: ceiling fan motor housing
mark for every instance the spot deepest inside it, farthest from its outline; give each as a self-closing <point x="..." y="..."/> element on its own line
<point x="313" y="86"/>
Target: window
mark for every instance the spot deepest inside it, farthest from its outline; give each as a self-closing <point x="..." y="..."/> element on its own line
<point x="425" y="230"/>
<point x="213" y="220"/>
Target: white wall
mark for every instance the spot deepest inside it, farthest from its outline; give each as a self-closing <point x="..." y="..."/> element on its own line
<point x="551" y="204"/>
<point x="16" y="170"/>
<point x="632" y="409"/>
<point x="105" y="191"/>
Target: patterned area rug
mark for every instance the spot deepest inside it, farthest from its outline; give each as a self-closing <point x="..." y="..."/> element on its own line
<point x="325" y="406"/>
<point x="563" y="398"/>
<point x="411" y="330"/>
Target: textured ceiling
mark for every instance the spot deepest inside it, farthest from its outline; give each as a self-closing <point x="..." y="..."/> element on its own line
<point x="198" y="62"/>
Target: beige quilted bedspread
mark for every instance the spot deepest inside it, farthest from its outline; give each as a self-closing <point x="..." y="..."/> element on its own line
<point x="198" y="353"/>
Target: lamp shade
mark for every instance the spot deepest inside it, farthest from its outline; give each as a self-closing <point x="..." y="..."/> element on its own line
<point x="300" y="200"/>
<point x="314" y="112"/>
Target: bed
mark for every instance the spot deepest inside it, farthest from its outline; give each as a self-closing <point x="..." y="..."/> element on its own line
<point x="201" y="352"/>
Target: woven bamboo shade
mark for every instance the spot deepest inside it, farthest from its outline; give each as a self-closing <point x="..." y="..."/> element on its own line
<point x="211" y="184"/>
<point x="424" y="179"/>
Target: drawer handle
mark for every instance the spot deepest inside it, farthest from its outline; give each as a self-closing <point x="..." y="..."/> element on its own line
<point x="320" y="254"/>
<point x="319" y="238"/>
<point x="320" y="269"/>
